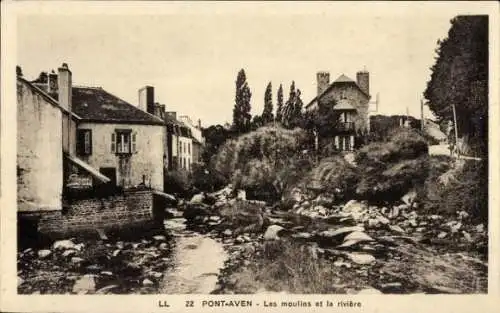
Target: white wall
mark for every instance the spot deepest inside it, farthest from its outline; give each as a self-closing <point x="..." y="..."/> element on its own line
<point x="148" y="160"/>
<point x="39" y="150"/>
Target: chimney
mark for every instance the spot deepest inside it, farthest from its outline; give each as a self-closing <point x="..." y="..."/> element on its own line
<point x="199" y="123"/>
<point x="64" y="84"/>
<point x="146" y="99"/>
<point x="363" y="80"/>
<point x="52" y="83"/>
<point x="172" y="114"/>
<point x="323" y="81"/>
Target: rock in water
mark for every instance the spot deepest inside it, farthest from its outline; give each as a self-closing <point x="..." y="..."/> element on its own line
<point x="272" y="232"/>
<point x="159" y="238"/>
<point x="369" y="291"/>
<point x="362" y="258"/>
<point x="85" y="284"/>
<point x="332" y="233"/>
<point x="242" y="195"/>
<point x="42" y="254"/>
<point x="197" y="198"/>
<point x="358" y="236"/>
<point x="147" y="282"/>
<point x="397" y="229"/>
<point x="63" y="244"/>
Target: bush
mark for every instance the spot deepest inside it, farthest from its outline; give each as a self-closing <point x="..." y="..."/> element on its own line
<point x="178" y="182"/>
<point x="204" y="179"/>
<point x="336" y="175"/>
<point x="466" y="189"/>
<point x="266" y="159"/>
<point x="392" y="168"/>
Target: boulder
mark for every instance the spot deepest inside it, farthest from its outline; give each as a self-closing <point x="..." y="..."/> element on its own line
<point x="68" y="253"/>
<point x="159" y="238"/>
<point x="343" y="230"/>
<point x="361" y="258"/>
<point x="86" y="284"/>
<point x="409" y="197"/>
<point x="397" y="229"/>
<point x="369" y="291"/>
<point x="358" y="236"/>
<point x="76" y="260"/>
<point x="228" y="233"/>
<point x="272" y="232"/>
<point x="197" y="199"/>
<point x="63" y="245"/>
<point x="42" y="254"/>
<point x="241" y="194"/>
<point x="146" y="282"/>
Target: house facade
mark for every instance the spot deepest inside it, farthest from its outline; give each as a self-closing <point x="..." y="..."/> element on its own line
<point x="351" y="101"/>
<point x="122" y="141"/>
<point x="178" y="147"/>
<point x="197" y="137"/>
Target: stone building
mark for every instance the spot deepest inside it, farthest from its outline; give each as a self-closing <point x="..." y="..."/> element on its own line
<point x="351" y="99"/>
<point x="85" y="138"/>
<point x="178" y="148"/>
<point x="197" y="137"/>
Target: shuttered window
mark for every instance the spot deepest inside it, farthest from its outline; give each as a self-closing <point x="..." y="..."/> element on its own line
<point x="84" y="141"/>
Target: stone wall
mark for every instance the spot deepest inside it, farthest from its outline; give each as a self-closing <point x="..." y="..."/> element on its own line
<point x="129" y="210"/>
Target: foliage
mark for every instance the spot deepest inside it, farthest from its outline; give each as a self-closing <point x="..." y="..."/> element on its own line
<point x="292" y="111"/>
<point x="336" y="176"/>
<point x="268" y="158"/>
<point x="204" y="179"/>
<point x="392" y="168"/>
<point x="466" y="189"/>
<point x="178" y="182"/>
<point x="267" y="114"/>
<point x="242" y="107"/>
<point x="279" y="104"/>
<point x="215" y="136"/>
<point x="460" y="77"/>
<point x="19" y="71"/>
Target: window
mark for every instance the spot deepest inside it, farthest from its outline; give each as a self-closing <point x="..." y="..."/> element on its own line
<point x="84" y="142"/>
<point x="189" y="148"/>
<point x="123" y="141"/>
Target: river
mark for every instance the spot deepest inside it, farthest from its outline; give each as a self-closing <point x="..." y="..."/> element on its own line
<point x="197" y="260"/>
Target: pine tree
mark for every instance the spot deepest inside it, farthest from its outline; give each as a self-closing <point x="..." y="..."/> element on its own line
<point x="267" y="114"/>
<point x="279" y="104"/>
<point x="241" y="112"/>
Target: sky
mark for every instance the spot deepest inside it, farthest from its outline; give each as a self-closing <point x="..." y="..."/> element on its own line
<point x="192" y="59"/>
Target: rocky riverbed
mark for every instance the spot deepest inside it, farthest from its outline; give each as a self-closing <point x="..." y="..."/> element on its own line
<point x="222" y="243"/>
<point x="353" y="247"/>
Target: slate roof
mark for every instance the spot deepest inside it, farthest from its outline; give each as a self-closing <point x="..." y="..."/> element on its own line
<point x="94" y="104"/>
<point x="340" y="80"/>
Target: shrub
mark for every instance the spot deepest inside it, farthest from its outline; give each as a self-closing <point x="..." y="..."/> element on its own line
<point x="389" y="169"/>
<point x="466" y="189"/>
<point x="335" y="175"/>
<point x="266" y="159"/>
<point x="178" y="182"/>
<point x="205" y="179"/>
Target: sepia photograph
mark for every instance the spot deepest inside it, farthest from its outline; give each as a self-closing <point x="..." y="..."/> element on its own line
<point x="292" y="153"/>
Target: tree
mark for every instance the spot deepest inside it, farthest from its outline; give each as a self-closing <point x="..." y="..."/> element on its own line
<point x="292" y="112"/>
<point x="267" y="114"/>
<point x="279" y="104"/>
<point x="460" y="77"/>
<point x="288" y="109"/>
<point x="19" y="71"/>
<point x="242" y="107"/>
